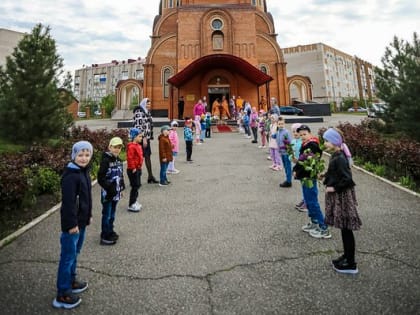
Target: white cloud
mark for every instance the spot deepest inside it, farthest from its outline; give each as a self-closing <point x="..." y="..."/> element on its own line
<point x="89" y="31"/>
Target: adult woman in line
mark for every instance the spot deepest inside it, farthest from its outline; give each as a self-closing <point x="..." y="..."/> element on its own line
<point x="142" y="119"/>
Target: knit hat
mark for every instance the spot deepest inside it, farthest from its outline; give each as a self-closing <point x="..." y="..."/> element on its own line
<point x="79" y="146"/>
<point x="333" y="137"/>
<point x="174" y="123"/>
<point x="164" y="127"/>
<point x="295" y="126"/>
<point x="115" y="141"/>
<point x="134" y="132"/>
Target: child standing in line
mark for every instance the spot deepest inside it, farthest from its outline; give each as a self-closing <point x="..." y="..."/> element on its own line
<point x="340" y="200"/>
<point x="297" y="143"/>
<point x="165" y="154"/>
<point x="76" y="214"/>
<point x="111" y="180"/>
<point x="208" y="125"/>
<point x="134" y="164"/>
<point x="310" y="145"/>
<point x="202" y="127"/>
<point x="272" y="144"/>
<point x="173" y="137"/>
<point x="261" y="129"/>
<point x="254" y="124"/>
<point x="284" y="138"/>
<point x="188" y="137"/>
<point x="197" y="125"/>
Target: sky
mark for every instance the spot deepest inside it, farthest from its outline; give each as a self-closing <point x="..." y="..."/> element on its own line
<point x="91" y="31"/>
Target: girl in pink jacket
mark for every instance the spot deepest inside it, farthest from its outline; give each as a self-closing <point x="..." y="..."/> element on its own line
<point x="173" y="137"/>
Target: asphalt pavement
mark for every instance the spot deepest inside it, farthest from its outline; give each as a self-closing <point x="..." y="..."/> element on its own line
<point x="223" y="238"/>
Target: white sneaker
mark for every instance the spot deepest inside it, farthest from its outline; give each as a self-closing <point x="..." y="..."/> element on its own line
<point x="135" y="207"/>
<point x="175" y="171"/>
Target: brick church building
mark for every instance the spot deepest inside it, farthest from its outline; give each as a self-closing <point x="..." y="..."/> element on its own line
<point x="213" y="48"/>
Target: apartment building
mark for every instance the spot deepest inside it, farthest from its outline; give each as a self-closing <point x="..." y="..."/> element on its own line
<point x="8" y="41"/>
<point x="334" y="75"/>
<point x="92" y="83"/>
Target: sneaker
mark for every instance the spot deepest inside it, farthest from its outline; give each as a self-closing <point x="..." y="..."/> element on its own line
<point x="67" y="302"/>
<point x="345" y="267"/>
<point x="300" y="204"/>
<point x="269" y="158"/>
<point x="309" y="227"/>
<point x="175" y="171"/>
<point x="302" y="209"/>
<point x="108" y="241"/>
<point x="260" y="147"/>
<point x="286" y="184"/>
<point x="134" y="207"/>
<point x="78" y="286"/>
<point x="114" y="236"/>
<point x="338" y="260"/>
<point x="320" y="233"/>
<point x="162" y="184"/>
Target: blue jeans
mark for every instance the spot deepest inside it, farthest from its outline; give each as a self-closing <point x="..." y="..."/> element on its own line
<point x="314" y="210"/>
<point x="287" y="167"/>
<point x="108" y="217"/>
<point x="71" y="244"/>
<point x="163" y="169"/>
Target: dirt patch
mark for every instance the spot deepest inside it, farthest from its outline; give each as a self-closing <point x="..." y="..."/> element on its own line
<point x="12" y="220"/>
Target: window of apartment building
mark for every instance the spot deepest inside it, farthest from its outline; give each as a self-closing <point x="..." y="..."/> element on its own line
<point x="139" y="74"/>
<point x="76" y="80"/>
<point x="166" y="74"/>
<point x="102" y="78"/>
<point x="96" y="78"/>
<point x="124" y="75"/>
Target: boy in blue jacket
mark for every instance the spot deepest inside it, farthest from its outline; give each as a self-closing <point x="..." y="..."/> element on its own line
<point x="76" y="214"/>
<point x="284" y="139"/>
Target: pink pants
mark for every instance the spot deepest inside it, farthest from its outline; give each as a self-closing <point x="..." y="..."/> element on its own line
<point x="275" y="157"/>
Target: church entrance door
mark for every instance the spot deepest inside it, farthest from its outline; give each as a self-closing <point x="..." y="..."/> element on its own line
<point x="217" y="92"/>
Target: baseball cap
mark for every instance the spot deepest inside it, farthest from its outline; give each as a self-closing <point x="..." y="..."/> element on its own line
<point x="116" y="141"/>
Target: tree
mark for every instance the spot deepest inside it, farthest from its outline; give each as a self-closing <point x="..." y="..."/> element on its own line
<point x="31" y="108"/>
<point x="108" y="102"/>
<point x="398" y="84"/>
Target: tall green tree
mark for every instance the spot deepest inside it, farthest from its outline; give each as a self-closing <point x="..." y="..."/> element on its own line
<point x="31" y="107"/>
<point x="398" y="84"/>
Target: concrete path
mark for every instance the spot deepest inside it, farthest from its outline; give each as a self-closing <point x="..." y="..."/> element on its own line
<point x="223" y="238"/>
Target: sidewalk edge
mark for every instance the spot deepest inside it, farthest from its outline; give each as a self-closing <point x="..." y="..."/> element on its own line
<point x="10" y="238"/>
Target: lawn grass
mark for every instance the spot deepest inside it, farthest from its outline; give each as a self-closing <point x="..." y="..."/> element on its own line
<point x="8" y="147"/>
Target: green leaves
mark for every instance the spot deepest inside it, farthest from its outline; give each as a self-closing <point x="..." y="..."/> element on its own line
<point x="31" y="107"/>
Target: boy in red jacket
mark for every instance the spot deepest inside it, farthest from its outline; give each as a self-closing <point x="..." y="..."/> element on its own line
<point x="134" y="164"/>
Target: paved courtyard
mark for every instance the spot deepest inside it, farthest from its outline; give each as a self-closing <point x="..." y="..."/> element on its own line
<point x="223" y="238"/>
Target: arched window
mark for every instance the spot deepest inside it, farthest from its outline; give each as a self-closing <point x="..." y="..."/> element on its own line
<point x="166" y="74"/>
<point x="217" y="39"/>
<point x="264" y="68"/>
<point x="254" y="2"/>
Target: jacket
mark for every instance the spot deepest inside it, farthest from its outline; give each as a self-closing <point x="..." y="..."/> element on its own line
<point x="76" y="200"/>
<point x="339" y="174"/>
<point x="134" y="156"/>
<point x="313" y="145"/>
<point x="165" y="149"/>
<point x="173" y="137"/>
<point x="143" y="121"/>
<point x="283" y="135"/>
<point x="111" y="177"/>
<point x="188" y="134"/>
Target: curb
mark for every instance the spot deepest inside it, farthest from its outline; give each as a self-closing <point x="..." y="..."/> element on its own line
<point x="8" y="239"/>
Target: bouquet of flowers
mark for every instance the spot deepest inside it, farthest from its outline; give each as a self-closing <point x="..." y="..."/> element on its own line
<point x="313" y="164"/>
<point x="289" y="147"/>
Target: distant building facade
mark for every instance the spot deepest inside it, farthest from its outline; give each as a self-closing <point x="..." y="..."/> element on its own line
<point x="333" y="74"/>
<point x="8" y="41"/>
<point x="123" y="78"/>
